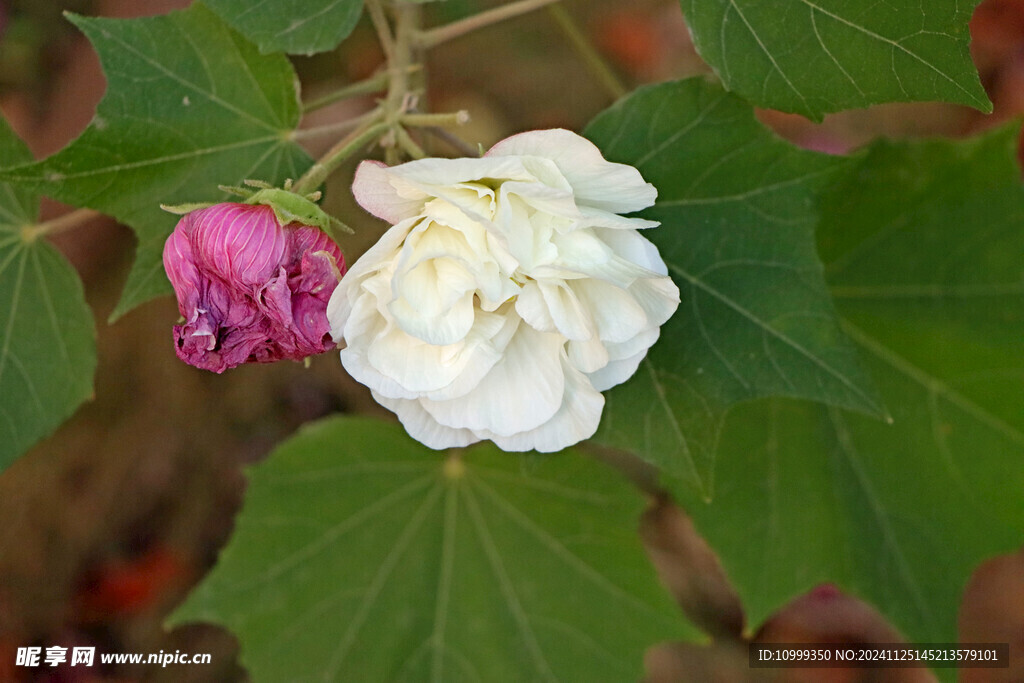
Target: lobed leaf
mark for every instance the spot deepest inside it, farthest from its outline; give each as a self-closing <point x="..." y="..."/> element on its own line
<point x="737" y="210"/>
<point x="293" y="26"/>
<point x="47" y="338"/>
<point x="923" y="245"/>
<point x="813" y="57"/>
<point x="190" y="105"/>
<point x="360" y="555"/>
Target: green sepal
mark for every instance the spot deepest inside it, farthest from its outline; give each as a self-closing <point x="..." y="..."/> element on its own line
<point x="187" y="207"/>
<point x="288" y="206"/>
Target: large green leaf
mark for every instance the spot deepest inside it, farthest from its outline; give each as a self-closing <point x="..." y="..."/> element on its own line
<point x="924" y="244"/>
<point x="818" y="56"/>
<point x="737" y="212"/>
<point x="47" y="339"/>
<point x="360" y="555"/>
<point x="293" y="26"/>
<point x="189" y="105"/>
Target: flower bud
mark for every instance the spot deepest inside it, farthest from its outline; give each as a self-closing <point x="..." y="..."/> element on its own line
<point x="250" y="290"/>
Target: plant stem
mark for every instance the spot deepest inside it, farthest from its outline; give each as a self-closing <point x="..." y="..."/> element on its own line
<point x="454" y="140"/>
<point x="380" y="24"/>
<point x="591" y="57"/>
<point x="72" y="219"/>
<point x="436" y="36"/>
<point x="306" y="133"/>
<point x="399" y="90"/>
<point x="458" y="118"/>
<point x="409" y="145"/>
<point x="345" y="148"/>
<point x="375" y="83"/>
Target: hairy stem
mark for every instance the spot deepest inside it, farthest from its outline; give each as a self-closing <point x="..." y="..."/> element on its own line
<point x="441" y="34"/>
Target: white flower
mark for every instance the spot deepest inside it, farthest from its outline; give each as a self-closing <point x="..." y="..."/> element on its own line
<point x="506" y="296"/>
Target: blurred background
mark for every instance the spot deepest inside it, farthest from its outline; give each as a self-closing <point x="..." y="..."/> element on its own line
<point x="105" y="526"/>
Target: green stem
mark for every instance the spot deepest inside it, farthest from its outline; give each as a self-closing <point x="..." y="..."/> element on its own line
<point x="333" y="158"/>
<point x="380" y="24"/>
<point x="458" y="118"/>
<point x="375" y="83"/>
<point x="306" y="133"/>
<point x="591" y="57"/>
<point x="72" y="219"/>
<point x="455" y="141"/>
<point x="407" y="17"/>
<point x="409" y="145"/>
<point x="441" y="34"/>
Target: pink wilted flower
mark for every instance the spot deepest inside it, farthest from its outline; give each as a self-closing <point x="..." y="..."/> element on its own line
<point x="250" y="289"/>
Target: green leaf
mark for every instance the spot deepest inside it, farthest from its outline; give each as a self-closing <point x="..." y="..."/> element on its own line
<point x="293" y="26"/>
<point x="755" y="318"/>
<point x="812" y="57"/>
<point x="924" y="249"/>
<point x="360" y="555"/>
<point x="47" y="339"/>
<point x="189" y="105"/>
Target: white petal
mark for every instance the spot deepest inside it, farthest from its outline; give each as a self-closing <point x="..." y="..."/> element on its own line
<point x="615" y="313"/>
<point x="425" y="429"/>
<point x="399" y="192"/>
<point x="595" y="181"/>
<point x="659" y="297"/>
<point x="633" y="247"/>
<point x="580" y="250"/>
<point x="617" y="371"/>
<point x="541" y="198"/>
<point x="530" y="305"/>
<point x="599" y="218"/>
<point x="489" y="338"/>
<point x="339" y="308"/>
<point x="589" y="355"/>
<point x="418" y="367"/>
<point x="431" y="325"/>
<point x="642" y="341"/>
<point x="353" y="359"/>
<point x="433" y="300"/>
<point x="522" y="391"/>
<point x="570" y="316"/>
<point x="377" y="258"/>
<point x="439" y="173"/>
<point x="528" y="235"/>
<point x="375" y="193"/>
<point x="577" y="419"/>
